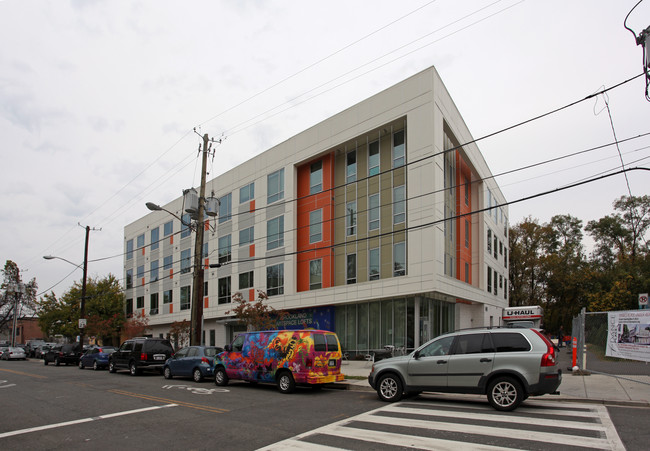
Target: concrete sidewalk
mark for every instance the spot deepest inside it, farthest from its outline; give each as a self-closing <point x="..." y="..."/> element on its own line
<point x="579" y="386"/>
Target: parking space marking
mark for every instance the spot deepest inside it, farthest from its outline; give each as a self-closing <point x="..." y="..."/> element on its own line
<point x="82" y="420"/>
<point x="6" y="386"/>
<point x="24" y="374"/>
<point x="174" y="401"/>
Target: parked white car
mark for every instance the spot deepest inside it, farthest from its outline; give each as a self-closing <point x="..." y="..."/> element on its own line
<point x="12" y="353"/>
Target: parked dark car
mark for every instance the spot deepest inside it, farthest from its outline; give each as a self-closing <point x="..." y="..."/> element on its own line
<point x="68" y="354"/>
<point x="96" y="357"/>
<point x="138" y="354"/>
<point x="193" y="361"/>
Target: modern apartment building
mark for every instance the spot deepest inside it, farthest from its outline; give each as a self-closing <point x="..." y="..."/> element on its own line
<point x="375" y="223"/>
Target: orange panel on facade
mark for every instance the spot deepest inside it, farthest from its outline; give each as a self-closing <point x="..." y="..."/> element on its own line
<point x="251" y="250"/>
<point x="251" y="294"/>
<point x="307" y="203"/>
<point x="464" y="221"/>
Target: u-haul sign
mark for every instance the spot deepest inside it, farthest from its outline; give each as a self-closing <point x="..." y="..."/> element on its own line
<point x="522" y="313"/>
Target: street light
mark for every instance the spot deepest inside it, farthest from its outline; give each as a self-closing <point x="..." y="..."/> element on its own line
<point x="82" y="310"/>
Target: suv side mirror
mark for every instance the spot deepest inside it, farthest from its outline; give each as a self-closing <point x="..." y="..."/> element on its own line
<point x="228" y="348"/>
<point x="416" y="354"/>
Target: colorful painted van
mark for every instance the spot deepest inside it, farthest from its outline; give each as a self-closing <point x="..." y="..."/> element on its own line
<point x="284" y="357"/>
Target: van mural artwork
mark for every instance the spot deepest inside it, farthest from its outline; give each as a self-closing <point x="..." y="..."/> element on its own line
<point x="285" y="357"/>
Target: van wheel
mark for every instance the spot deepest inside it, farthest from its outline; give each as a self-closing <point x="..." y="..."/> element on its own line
<point x="196" y="375"/>
<point x="220" y="377"/>
<point x="390" y="388"/>
<point x="286" y="384"/>
<point x="505" y="394"/>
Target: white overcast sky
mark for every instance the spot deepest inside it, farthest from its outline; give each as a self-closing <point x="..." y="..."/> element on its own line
<point x="98" y="100"/>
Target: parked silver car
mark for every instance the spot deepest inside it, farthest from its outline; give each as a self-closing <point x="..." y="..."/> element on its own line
<point x="13" y="353"/>
<point x="507" y="365"/>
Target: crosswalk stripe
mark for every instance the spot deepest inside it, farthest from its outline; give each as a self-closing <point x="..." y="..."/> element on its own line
<point x="537" y="436"/>
<point x="293" y="444"/>
<point x="500" y="418"/>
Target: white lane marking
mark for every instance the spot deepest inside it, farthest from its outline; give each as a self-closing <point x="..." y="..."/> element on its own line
<point x="82" y="420"/>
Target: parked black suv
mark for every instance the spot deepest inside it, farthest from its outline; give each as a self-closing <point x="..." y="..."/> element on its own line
<point x="139" y="354"/>
<point x="63" y="354"/>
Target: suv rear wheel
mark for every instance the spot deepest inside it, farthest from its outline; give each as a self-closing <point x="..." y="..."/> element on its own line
<point x="390" y="388"/>
<point x="505" y="393"/>
<point x="133" y="369"/>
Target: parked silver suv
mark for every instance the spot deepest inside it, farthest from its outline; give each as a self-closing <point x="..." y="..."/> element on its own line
<point x="508" y="365"/>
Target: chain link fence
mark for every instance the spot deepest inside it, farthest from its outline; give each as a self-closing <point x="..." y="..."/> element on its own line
<point x="589" y="336"/>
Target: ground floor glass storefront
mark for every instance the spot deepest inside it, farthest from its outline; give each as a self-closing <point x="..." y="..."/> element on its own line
<point x="400" y="322"/>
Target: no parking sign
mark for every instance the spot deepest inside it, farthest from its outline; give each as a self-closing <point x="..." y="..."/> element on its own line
<point x="643" y="301"/>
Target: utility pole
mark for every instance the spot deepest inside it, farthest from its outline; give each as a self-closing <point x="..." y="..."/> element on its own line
<point x="196" y="319"/>
<point x="82" y="310"/>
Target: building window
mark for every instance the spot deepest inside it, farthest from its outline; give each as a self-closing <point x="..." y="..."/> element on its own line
<point x="373" y="264"/>
<point x="225" y="208"/>
<point x="351" y="273"/>
<point x="275" y="233"/>
<point x="225" y="254"/>
<point x="186" y="261"/>
<point x="495" y="283"/>
<point x="129" y="278"/>
<point x="316" y="178"/>
<point x="246" y="280"/>
<point x="139" y="302"/>
<point x="315" y="274"/>
<point x="167" y="297"/>
<point x="153" y="275"/>
<point x="129" y="308"/>
<point x="140" y="272"/>
<point x="315" y="226"/>
<point x="185" y="297"/>
<point x="399" y="204"/>
<point x="373" y="158"/>
<point x="399" y="149"/>
<point x="224" y="290"/>
<point x="399" y="259"/>
<point x="505" y="258"/>
<point x="466" y="234"/>
<point x="247" y="193"/>
<point x="373" y="212"/>
<point x="495" y="246"/>
<point x="489" y="280"/>
<point x="168" y="262"/>
<point x="275" y="182"/>
<point x="489" y="241"/>
<point x="246" y="236"/>
<point x="205" y="250"/>
<point x="129" y="249"/>
<point x="155" y="237"/>
<point x="466" y="183"/>
<point x="140" y="240"/>
<point x="351" y="166"/>
<point x="501" y="247"/>
<point x="351" y="218"/>
<point x="275" y="279"/>
<point x="153" y="304"/>
<point x="168" y="228"/>
<point x="505" y="289"/>
<point x="185" y="225"/>
<point x="466" y="272"/>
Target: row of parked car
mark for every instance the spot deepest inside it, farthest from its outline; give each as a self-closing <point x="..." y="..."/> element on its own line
<point x="137" y="355"/>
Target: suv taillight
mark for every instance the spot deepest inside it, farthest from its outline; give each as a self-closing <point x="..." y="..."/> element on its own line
<point x="143" y="356"/>
<point x="548" y="359"/>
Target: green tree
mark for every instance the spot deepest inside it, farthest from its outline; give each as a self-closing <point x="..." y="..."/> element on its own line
<point x="104" y="310"/>
<point x="526" y="244"/>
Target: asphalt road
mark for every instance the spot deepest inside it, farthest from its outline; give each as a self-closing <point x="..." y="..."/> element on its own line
<point x="49" y="407"/>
